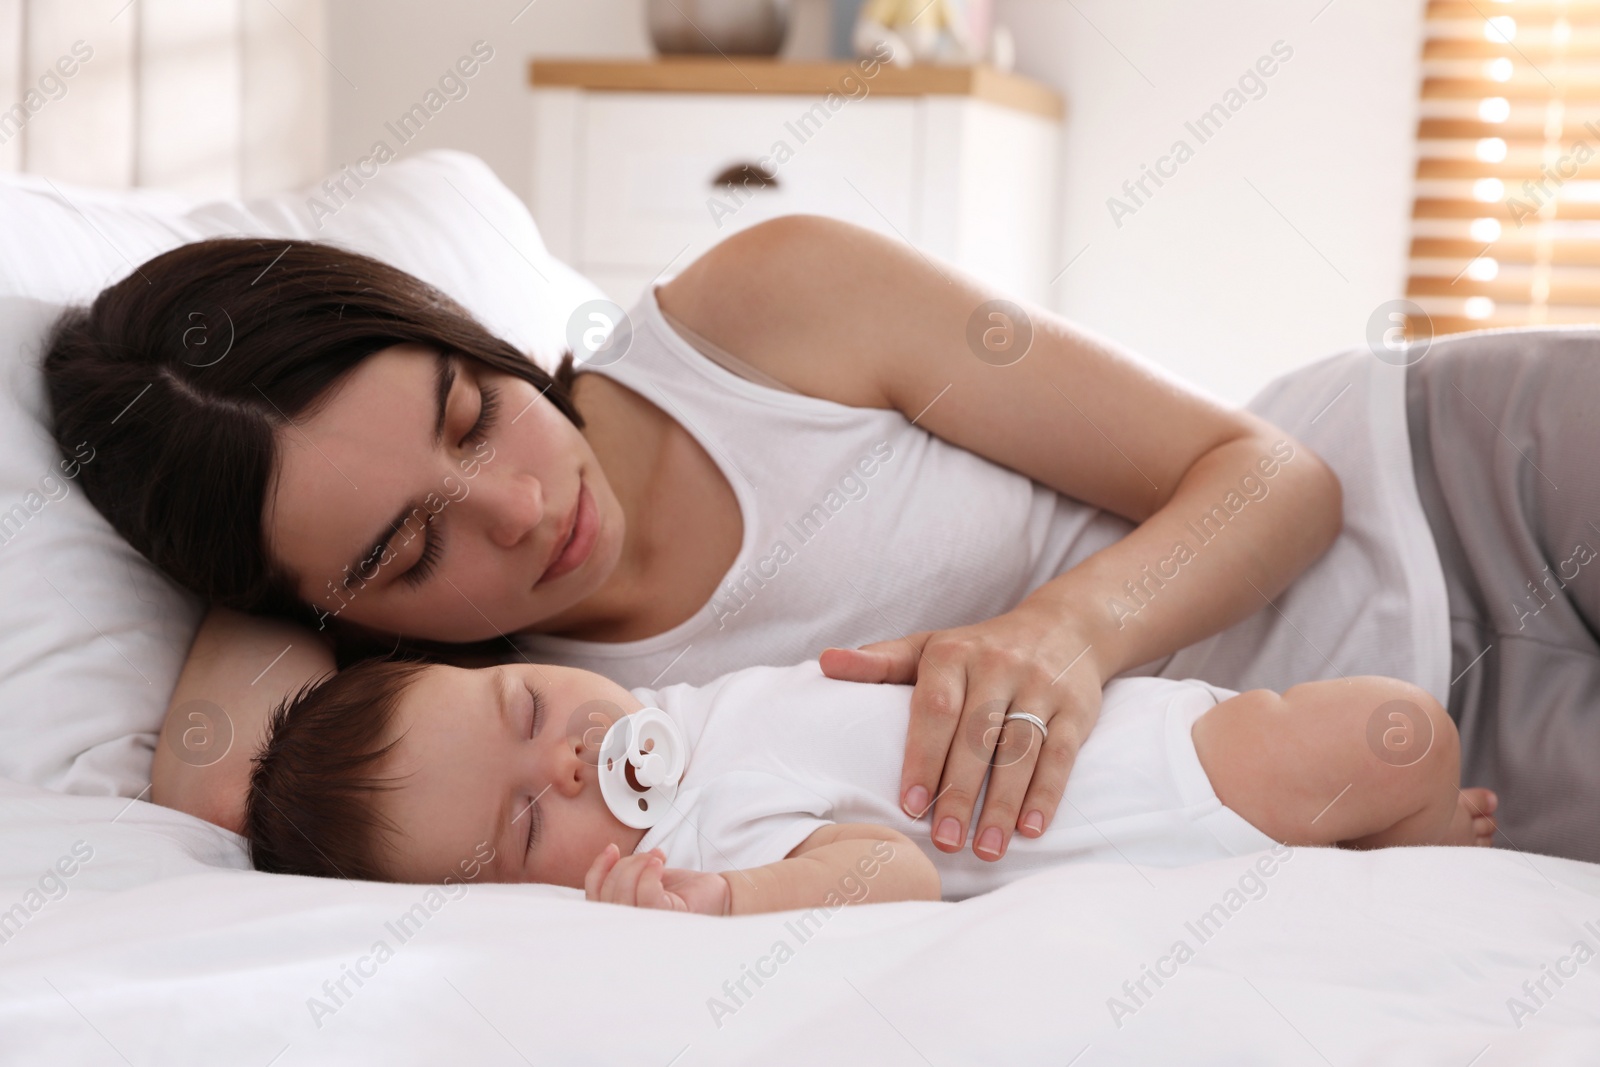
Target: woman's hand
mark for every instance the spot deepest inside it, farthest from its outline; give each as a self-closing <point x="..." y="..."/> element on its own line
<point x="967" y="679"/>
<point x="643" y="880"/>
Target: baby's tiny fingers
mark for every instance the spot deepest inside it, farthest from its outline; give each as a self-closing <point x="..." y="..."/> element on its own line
<point x="598" y="870"/>
<point x="650" y="892"/>
<point x="622" y="884"/>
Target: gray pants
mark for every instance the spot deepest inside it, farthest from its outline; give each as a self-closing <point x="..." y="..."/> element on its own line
<point x="1505" y="438"/>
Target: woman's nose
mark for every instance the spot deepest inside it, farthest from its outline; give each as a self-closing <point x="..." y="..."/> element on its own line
<point x="513" y="508"/>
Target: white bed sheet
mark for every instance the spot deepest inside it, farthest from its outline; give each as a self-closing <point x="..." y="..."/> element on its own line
<point x="159" y="953"/>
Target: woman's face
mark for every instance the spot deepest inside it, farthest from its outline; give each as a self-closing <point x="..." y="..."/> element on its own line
<point x="427" y="496"/>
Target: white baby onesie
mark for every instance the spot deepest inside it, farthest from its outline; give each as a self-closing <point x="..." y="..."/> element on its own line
<point x="775" y="753"/>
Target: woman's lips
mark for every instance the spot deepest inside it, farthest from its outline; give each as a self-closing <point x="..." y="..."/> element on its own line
<point x="581" y="541"/>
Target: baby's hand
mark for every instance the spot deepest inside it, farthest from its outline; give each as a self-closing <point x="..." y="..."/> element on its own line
<point x="643" y="880"/>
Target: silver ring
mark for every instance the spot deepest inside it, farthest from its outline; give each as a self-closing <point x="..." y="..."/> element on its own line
<point x="1028" y="717"/>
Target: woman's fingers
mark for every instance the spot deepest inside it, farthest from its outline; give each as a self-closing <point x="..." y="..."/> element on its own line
<point x="978" y="733"/>
<point x="882" y="661"/>
<point x="1054" y="764"/>
<point x="965" y="680"/>
<point x="1028" y="770"/>
<point x="1013" y="766"/>
<point x="1056" y="760"/>
<point x="1029" y="774"/>
<point x="1070" y="726"/>
<point x="936" y="765"/>
<point x="936" y="705"/>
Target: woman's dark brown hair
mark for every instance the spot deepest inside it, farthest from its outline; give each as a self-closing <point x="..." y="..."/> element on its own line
<point x="178" y="375"/>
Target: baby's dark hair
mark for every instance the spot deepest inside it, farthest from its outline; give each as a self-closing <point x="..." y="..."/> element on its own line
<point x="312" y="806"/>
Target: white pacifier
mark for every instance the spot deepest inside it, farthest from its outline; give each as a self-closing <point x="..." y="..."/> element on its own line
<point x="642" y="758"/>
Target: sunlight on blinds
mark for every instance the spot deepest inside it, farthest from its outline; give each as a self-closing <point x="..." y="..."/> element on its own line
<point x="1506" y="223"/>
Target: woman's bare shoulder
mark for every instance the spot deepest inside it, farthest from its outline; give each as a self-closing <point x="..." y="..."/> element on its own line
<point x="751" y="304"/>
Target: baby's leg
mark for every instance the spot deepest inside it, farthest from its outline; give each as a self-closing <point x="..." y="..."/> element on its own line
<point x="1364" y="761"/>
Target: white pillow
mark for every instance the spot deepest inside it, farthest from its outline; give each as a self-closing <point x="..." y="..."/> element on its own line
<point x="94" y="637"/>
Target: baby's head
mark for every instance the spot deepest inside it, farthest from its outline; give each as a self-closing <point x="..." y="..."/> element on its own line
<point x="416" y="772"/>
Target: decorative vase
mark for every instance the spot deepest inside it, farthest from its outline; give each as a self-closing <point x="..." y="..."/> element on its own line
<point x="733" y="27"/>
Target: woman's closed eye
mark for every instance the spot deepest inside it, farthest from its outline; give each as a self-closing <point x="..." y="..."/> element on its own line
<point x="488" y="410"/>
<point x="432" y="548"/>
<point x="433" y="535"/>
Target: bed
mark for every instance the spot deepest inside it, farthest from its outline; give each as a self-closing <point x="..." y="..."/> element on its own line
<point x="131" y="933"/>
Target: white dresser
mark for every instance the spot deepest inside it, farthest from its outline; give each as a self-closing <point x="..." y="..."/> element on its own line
<point x="632" y="162"/>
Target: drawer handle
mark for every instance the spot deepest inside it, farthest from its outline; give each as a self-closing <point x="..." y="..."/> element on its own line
<point x="748" y="176"/>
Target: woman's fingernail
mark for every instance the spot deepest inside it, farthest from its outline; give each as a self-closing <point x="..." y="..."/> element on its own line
<point x="949" y="832"/>
<point x="989" y="841"/>
<point x="1033" y="822"/>
<point x="916" y="801"/>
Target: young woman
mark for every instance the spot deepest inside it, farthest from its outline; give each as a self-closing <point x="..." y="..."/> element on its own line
<point x="806" y="444"/>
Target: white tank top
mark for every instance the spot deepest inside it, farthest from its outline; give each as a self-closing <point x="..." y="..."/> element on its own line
<point x="858" y="525"/>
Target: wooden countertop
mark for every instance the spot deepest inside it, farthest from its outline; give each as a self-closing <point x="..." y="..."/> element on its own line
<point x="767" y="74"/>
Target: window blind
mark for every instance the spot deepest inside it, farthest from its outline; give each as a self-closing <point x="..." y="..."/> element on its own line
<point x="1506" y="221"/>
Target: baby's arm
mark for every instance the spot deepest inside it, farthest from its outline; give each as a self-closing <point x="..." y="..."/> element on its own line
<point x="842" y="863"/>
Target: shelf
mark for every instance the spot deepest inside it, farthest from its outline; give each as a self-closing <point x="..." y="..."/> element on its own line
<point x="765" y="74"/>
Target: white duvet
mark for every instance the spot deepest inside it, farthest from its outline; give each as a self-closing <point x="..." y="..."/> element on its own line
<point x="148" y="953"/>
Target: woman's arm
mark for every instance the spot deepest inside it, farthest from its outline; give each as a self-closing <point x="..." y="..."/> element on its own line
<point x="238" y="669"/>
<point x="838" y="311"/>
<point x="842" y="863"/>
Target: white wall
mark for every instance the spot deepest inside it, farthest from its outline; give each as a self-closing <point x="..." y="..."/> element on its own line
<point x="1207" y="278"/>
<point x="393" y="51"/>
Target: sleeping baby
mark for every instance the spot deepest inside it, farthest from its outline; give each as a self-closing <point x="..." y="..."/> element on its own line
<point x="773" y="788"/>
